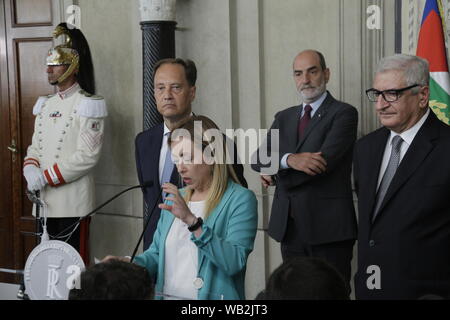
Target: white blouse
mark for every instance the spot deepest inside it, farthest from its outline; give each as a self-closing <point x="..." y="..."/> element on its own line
<point x="181" y="258"/>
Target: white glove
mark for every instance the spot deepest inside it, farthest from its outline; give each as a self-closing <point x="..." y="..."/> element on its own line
<point x="35" y="178"/>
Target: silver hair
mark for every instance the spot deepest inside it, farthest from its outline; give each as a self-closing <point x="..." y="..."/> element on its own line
<point x="415" y="69"/>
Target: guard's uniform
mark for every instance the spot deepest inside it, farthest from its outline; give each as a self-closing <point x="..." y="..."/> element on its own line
<point x="66" y="144"/>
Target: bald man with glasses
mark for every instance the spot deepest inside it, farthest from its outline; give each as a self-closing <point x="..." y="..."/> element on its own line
<point x="402" y="179"/>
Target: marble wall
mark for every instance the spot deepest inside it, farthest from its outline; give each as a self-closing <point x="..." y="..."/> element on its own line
<point x="113" y="31"/>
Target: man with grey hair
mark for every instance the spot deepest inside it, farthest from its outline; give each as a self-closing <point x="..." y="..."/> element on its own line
<point x="402" y="179"/>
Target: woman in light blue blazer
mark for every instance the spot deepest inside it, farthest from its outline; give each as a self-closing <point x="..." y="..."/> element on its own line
<point x="207" y="229"/>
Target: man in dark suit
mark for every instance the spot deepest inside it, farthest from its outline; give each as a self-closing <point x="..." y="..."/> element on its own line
<point x="174" y="87"/>
<point x="312" y="210"/>
<point x="402" y="178"/>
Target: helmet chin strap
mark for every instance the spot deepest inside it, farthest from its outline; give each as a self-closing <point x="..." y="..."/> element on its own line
<point x="72" y="68"/>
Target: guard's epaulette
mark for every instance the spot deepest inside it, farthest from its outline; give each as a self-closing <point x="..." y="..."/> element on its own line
<point x="40" y="104"/>
<point x="91" y="96"/>
<point x="91" y="106"/>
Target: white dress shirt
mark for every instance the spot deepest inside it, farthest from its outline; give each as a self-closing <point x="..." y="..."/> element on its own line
<point x="408" y="137"/>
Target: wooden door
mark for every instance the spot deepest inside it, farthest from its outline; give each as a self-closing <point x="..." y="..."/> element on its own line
<point x="25" y="38"/>
<point x="6" y="244"/>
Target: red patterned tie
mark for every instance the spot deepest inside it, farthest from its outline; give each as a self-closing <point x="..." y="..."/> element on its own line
<point x="303" y="123"/>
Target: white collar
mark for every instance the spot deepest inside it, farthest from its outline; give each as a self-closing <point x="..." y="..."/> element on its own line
<point x="166" y="129"/>
<point x="409" y="135"/>
<point x="68" y="92"/>
<point x="316" y="104"/>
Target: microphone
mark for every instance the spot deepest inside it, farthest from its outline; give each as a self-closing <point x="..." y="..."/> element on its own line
<point x="146" y="184"/>
<point x="159" y="199"/>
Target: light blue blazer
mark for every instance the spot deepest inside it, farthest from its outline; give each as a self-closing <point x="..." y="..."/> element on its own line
<point x="223" y="247"/>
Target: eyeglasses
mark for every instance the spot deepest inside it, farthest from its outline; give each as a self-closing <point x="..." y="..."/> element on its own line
<point x="390" y="95"/>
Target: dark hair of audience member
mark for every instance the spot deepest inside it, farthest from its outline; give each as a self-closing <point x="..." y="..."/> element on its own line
<point x="305" y="278"/>
<point x="114" y="280"/>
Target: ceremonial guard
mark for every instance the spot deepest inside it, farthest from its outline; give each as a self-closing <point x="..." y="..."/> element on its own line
<point x="67" y="140"/>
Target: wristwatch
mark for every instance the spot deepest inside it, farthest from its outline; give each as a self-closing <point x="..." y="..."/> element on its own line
<point x="196" y="225"/>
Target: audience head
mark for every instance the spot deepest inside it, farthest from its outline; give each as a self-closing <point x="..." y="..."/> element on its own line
<point x="114" y="280"/>
<point x="305" y="278"/>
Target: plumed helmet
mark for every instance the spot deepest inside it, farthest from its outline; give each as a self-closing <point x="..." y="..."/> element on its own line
<point x="74" y="52"/>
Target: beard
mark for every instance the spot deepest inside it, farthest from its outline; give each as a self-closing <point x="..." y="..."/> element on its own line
<point x="312" y="95"/>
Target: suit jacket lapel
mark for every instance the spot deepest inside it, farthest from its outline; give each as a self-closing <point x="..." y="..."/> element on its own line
<point x="291" y="128"/>
<point x="211" y="221"/>
<point x="374" y="160"/>
<point x="318" y="116"/>
<point x="418" y="150"/>
<point x="154" y="157"/>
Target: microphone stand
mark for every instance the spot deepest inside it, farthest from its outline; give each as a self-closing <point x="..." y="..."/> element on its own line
<point x="148" y="221"/>
<point x="146" y="225"/>
<point x="35" y="199"/>
<point x="101" y="206"/>
<point x="38" y="211"/>
<point x="146" y="184"/>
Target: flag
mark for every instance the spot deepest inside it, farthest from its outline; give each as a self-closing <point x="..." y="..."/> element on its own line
<point x="431" y="46"/>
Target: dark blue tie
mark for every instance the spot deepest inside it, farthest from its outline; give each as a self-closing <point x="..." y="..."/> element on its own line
<point x="167" y="169"/>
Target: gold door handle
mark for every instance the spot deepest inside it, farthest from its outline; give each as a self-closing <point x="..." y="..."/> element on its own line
<point x="13" y="148"/>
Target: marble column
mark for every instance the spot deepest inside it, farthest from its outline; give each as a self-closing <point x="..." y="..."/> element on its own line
<point x="158" y="42"/>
